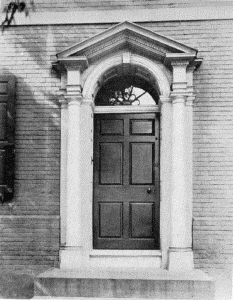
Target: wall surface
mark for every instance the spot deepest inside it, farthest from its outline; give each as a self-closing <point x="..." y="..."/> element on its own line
<point x="29" y="232"/>
<point x="68" y="5"/>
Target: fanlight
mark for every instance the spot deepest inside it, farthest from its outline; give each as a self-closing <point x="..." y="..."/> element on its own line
<point x="123" y="92"/>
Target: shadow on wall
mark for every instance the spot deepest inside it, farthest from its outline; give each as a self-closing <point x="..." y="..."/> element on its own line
<point x="29" y="224"/>
<point x="31" y="240"/>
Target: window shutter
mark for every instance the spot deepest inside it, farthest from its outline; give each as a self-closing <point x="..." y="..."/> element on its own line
<point x="7" y="125"/>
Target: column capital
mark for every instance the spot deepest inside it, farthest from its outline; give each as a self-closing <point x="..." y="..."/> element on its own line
<point x="89" y="102"/>
<point x="178" y="97"/>
<point x="74" y="99"/>
<point x="190" y="100"/>
<point x="74" y="63"/>
<point x="178" y="63"/>
<point x="180" y="58"/>
<point x="164" y="99"/>
<point x="74" y="89"/>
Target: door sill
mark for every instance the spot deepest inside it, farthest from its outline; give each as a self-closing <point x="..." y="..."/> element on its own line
<point x="125" y="253"/>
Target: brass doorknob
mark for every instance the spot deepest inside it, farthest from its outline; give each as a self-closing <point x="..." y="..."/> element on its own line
<point x="149" y="191"/>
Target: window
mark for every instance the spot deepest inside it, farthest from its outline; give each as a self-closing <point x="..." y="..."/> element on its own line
<point x="126" y="90"/>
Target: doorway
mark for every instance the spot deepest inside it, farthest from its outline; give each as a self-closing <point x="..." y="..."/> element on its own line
<point x="126" y="181"/>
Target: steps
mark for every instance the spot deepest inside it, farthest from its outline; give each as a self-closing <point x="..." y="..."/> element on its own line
<point x="127" y="283"/>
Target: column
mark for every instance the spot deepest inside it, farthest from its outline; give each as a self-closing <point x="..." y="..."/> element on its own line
<point x="71" y="253"/>
<point x="189" y="146"/>
<point x="180" y="252"/>
<point x="63" y="167"/>
<point x="165" y="175"/>
<point x="63" y="157"/>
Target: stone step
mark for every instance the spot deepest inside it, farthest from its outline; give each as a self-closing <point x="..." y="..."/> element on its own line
<point x="127" y="283"/>
<point x="85" y="298"/>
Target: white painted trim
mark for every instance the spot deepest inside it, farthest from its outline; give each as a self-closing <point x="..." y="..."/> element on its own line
<point x="219" y="12"/>
<point x="125" y="109"/>
<point x="63" y="170"/>
<point x="156" y="69"/>
<point x="125" y="253"/>
<point x="86" y="255"/>
<point x="82" y="253"/>
<point x="30" y="217"/>
<point x="126" y="32"/>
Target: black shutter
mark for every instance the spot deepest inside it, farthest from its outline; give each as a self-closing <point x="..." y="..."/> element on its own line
<point x="7" y="125"/>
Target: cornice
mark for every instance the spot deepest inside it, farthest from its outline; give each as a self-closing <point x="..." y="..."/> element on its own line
<point x="214" y="12"/>
<point x="73" y="62"/>
<point x="179" y="58"/>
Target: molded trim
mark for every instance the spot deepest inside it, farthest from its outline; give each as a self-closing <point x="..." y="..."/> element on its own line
<point x="125" y="109"/>
<point x="130" y="253"/>
<point x="133" y="15"/>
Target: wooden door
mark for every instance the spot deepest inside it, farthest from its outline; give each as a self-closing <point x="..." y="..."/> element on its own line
<point x="126" y="181"/>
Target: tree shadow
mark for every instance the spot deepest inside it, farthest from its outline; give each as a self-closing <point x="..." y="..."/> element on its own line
<point x="29" y="224"/>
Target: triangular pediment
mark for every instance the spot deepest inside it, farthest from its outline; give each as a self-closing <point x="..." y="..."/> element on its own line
<point x="126" y="35"/>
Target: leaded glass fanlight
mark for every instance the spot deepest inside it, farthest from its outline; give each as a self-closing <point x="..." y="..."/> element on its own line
<point x="126" y="90"/>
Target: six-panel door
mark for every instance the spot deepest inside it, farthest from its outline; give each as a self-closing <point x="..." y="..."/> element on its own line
<point x="126" y="181"/>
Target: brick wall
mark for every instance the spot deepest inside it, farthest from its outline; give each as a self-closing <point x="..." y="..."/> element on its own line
<point x="32" y="222"/>
<point x="213" y="138"/>
<point x="60" y="5"/>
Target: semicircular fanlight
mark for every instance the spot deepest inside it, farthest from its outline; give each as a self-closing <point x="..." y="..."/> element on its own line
<point x="125" y="90"/>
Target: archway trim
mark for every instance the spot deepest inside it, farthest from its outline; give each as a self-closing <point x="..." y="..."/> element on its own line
<point x="93" y="75"/>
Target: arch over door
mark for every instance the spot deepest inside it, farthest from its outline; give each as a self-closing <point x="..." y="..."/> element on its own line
<point x="126" y="181"/>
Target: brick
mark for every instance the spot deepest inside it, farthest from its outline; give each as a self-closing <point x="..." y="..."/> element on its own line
<point x="38" y="132"/>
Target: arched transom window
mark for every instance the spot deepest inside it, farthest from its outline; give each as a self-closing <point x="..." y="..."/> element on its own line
<point x="126" y="90"/>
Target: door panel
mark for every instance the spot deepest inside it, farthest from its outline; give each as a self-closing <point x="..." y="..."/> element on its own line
<point x="110" y="163"/>
<point x="126" y="181"/>
<point x="141" y="163"/>
<point x="142" y="127"/>
<point x="111" y="127"/>
<point x="110" y="215"/>
<point x="142" y="220"/>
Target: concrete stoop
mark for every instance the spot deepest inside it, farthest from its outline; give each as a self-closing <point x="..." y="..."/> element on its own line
<point x="133" y="283"/>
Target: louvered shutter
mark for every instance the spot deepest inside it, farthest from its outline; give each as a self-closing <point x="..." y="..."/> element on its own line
<point x="7" y="125"/>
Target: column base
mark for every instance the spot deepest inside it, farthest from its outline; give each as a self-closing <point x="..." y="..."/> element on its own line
<point x="72" y="258"/>
<point x="180" y="259"/>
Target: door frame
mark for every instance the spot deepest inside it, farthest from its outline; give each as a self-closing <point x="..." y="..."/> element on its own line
<point x="169" y="66"/>
<point x="79" y="251"/>
<point x="85" y="255"/>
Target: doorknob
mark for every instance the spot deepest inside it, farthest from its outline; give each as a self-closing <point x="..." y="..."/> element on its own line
<point x="149" y="190"/>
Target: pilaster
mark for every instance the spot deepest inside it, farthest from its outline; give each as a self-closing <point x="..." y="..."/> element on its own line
<point x="165" y="175"/>
<point x="180" y="250"/>
<point x="72" y="218"/>
<point x="63" y="165"/>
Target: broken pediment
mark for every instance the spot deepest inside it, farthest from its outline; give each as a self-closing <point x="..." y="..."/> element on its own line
<point x="128" y="36"/>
